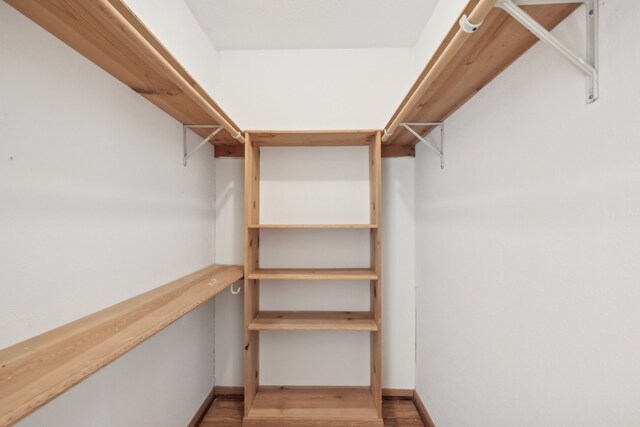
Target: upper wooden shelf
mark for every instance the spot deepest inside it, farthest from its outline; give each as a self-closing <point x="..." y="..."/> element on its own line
<point x="312" y="226"/>
<point x="312" y="138"/>
<point x="499" y="41"/>
<point x="108" y="33"/>
<point x="39" y="369"/>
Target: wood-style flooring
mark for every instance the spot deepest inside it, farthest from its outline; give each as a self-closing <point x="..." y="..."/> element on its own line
<point x="226" y="412"/>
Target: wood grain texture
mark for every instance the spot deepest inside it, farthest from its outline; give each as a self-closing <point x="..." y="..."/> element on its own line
<point x="313" y="274"/>
<point x="313" y="138"/>
<point x="228" y="413"/>
<point x="321" y="406"/>
<point x="499" y="41"/>
<point x="89" y="27"/>
<point x="313" y="321"/>
<point x="375" y="247"/>
<point x="251" y="263"/>
<point x="37" y="370"/>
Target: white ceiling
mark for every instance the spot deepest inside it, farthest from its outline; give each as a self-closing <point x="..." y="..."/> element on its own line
<point x="312" y="24"/>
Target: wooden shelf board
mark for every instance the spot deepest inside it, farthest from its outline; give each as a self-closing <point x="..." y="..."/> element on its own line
<point x="313" y="138"/>
<point x="313" y="226"/>
<point x="236" y="151"/>
<point x="84" y="26"/>
<point x="313" y="274"/>
<point x="314" y="406"/>
<point x="313" y="321"/>
<point x="39" y="369"/>
<point x="499" y="41"/>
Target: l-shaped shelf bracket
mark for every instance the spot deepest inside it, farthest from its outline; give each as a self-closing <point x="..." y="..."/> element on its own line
<point x="185" y="154"/>
<point x="589" y="66"/>
<point x="439" y="150"/>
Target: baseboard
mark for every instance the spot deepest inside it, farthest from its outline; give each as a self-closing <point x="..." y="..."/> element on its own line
<point x="422" y="410"/>
<point x="202" y="411"/>
<point x="230" y="392"/>
<point x="233" y="392"/>
<point x="397" y="393"/>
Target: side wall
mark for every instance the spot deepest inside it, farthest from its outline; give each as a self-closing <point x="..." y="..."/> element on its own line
<point x="96" y="207"/>
<point x="529" y="244"/>
<point x="318" y="89"/>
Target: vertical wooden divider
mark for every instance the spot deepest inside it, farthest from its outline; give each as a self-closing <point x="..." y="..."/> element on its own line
<point x="251" y="263"/>
<point x="375" y="203"/>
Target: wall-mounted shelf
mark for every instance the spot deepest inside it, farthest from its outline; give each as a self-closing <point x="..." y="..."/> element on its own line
<point x="109" y="34"/>
<point x="497" y="43"/>
<point x="39" y="369"/>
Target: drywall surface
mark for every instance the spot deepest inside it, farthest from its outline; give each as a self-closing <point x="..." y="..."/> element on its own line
<point x="444" y="15"/>
<point x="313" y="89"/>
<point x="172" y="22"/>
<point x="318" y="89"/>
<point x="528" y="244"/>
<point x="96" y="207"/>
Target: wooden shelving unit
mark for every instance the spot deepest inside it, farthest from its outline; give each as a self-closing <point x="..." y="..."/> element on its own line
<point x="320" y="406"/>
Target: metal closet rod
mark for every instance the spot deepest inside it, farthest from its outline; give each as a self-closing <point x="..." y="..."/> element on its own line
<point x="166" y="68"/>
<point x="467" y="27"/>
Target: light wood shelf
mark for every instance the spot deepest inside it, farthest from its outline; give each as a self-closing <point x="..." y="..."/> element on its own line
<point x="313" y="226"/>
<point x="313" y="274"/>
<point x="109" y="34"/>
<point x="499" y="41"/>
<point x="313" y="321"/>
<point x="313" y="406"/>
<point x="39" y="369"/>
<point x="319" y="138"/>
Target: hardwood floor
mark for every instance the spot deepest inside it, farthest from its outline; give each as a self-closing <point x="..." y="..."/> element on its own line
<point x="227" y="412"/>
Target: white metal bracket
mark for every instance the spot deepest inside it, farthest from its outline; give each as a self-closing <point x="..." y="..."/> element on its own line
<point x="588" y="66"/>
<point x="185" y="154"/>
<point x="439" y="150"/>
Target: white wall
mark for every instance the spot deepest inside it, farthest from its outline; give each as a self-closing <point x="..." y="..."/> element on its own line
<point x="96" y="207"/>
<point x="529" y="245"/>
<point x="172" y="22"/>
<point x="318" y="89"/>
<point x="313" y="89"/>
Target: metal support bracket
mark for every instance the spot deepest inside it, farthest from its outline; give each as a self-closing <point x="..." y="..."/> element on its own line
<point x="588" y="66"/>
<point x="185" y="154"/>
<point x="439" y="150"/>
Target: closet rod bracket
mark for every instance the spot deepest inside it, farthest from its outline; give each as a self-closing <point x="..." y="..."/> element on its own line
<point x="588" y="65"/>
<point x="186" y="154"/>
<point x="423" y="138"/>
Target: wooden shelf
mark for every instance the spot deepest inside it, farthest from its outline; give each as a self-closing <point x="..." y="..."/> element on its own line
<point x="499" y="41"/>
<point x="313" y="406"/>
<point x="97" y="30"/>
<point x="39" y="369"/>
<point x="313" y="138"/>
<point x="313" y="274"/>
<point x="313" y="321"/>
<point x="312" y="226"/>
